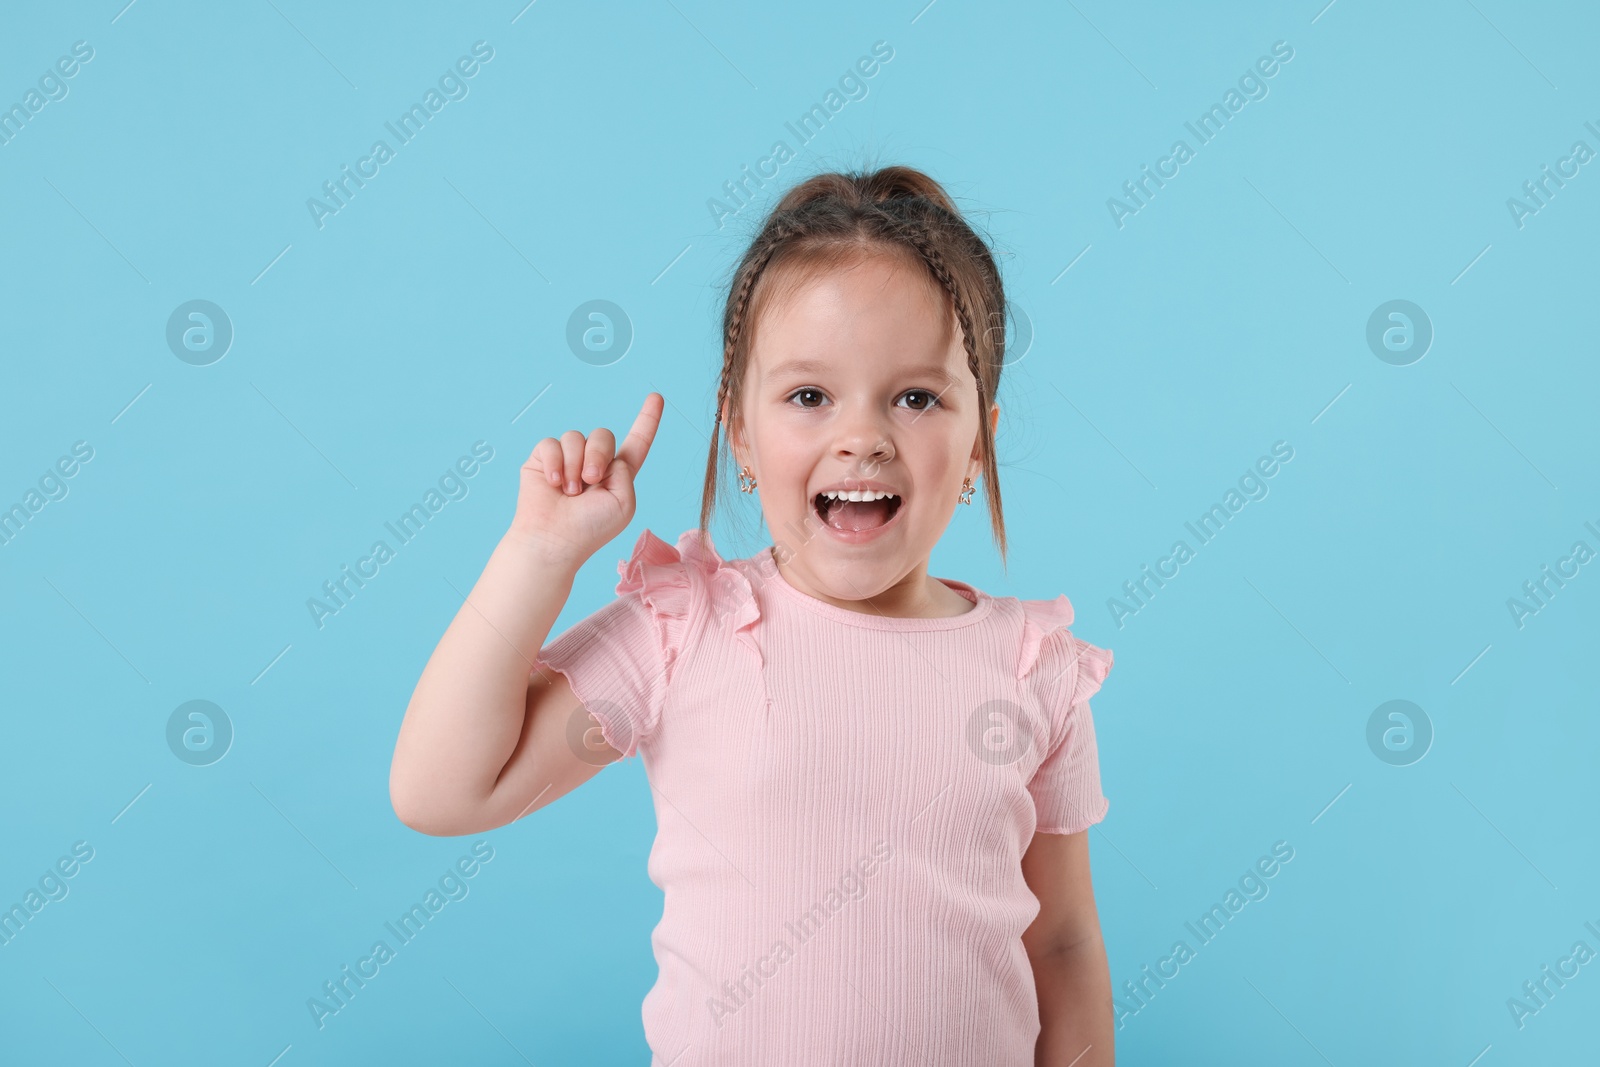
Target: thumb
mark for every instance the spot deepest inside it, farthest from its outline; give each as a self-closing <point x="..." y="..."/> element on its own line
<point x="619" y="479"/>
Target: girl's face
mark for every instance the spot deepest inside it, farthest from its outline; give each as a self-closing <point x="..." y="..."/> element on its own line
<point x="859" y="380"/>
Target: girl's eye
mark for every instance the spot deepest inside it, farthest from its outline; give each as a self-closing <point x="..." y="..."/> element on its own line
<point x="929" y="400"/>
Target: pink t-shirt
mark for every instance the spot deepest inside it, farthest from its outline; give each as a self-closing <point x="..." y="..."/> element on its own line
<point x="842" y="803"/>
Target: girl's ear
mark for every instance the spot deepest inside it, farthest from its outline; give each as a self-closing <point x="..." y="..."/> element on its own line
<point x="977" y="446"/>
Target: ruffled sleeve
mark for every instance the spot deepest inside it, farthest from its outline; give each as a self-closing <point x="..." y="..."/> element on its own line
<point x="1082" y="666"/>
<point x="620" y="661"/>
<point x="1060" y="671"/>
<point x="655" y="574"/>
<point x="675" y="582"/>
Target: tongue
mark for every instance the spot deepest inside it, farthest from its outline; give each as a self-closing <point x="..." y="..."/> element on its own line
<point x="859" y="515"/>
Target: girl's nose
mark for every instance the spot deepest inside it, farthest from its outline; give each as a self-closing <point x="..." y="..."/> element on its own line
<point x="867" y="441"/>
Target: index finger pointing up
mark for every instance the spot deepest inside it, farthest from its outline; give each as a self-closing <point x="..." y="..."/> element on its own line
<point x="637" y="444"/>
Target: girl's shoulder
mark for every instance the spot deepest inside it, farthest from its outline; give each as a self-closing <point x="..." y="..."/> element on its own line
<point x="1049" y="650"/>
<point x="688" y="583"/>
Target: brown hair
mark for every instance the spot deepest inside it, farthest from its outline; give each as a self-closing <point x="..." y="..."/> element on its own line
<point x="833" y="218"/>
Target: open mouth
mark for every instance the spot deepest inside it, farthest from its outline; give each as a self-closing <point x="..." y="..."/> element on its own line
<point x="853" y="512"/>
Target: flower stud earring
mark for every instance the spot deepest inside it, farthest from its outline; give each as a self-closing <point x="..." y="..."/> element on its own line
<point x="747" y="481"/>
<point x="966" y="490"/>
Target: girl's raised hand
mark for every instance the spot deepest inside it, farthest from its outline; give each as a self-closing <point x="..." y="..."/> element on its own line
<point x="576" y="494"/>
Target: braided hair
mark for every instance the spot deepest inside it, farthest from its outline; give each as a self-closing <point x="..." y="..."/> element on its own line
<point x="834" y="217"/>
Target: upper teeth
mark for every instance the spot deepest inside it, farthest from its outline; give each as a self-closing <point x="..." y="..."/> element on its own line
<point x="855" y="494"/>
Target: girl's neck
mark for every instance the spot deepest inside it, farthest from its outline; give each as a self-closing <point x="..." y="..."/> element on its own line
<point x="899" y="601"/>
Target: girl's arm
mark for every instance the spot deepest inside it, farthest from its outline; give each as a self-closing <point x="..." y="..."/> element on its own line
<point x="482" y="743"/>
<point x="484" y="740"/>
<point x="1068" y="955"/>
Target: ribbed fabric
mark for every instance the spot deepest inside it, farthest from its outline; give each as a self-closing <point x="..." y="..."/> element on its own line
<point x="842" y="804"/>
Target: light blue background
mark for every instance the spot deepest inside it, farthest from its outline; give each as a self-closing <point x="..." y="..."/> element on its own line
<point x="1228" y="314"/>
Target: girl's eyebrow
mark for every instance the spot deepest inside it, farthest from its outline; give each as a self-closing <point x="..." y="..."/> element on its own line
<point x="796" y="366"/>
<point x="811" y="366"/>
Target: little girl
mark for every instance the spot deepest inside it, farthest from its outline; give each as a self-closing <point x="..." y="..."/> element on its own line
<point x="873" y="786"/>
